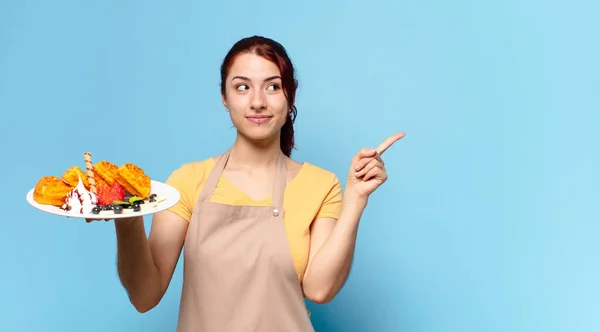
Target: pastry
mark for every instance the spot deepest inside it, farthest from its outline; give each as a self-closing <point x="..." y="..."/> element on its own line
<point x="134" y="180"/>
<point x="51" y="190"/>
<point x="106" y="173"/>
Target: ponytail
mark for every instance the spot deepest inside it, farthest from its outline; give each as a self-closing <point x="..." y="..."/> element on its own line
<point x="287" y="133"/>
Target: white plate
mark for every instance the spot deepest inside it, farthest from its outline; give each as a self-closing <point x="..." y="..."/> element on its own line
<point x="169" y="195"/>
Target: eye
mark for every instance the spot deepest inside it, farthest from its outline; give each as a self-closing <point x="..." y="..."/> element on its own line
<point x="274" y="87"/>
<point x="241" y="87"/>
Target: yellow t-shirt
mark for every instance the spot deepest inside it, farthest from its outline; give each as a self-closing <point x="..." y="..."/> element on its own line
<point x="313" y="193"/>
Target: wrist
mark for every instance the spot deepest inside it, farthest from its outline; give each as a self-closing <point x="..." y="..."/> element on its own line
<point x="353" y="206"/>
<point x="353" y="199"/>
<point x="127" y="221"/>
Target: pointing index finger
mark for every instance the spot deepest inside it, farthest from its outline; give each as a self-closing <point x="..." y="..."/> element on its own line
<point x="388" y="142"/>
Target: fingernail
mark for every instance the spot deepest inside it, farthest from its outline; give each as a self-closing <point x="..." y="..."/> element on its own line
<point x="356" y="167"/>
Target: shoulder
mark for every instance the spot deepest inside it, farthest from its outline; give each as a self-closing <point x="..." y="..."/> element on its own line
<point x="186" y="179"/>
<point x="319" y="174"/>
<point x="319" y="183"/>
<point x="191" y="172"/>
<point x="325" y="190"/>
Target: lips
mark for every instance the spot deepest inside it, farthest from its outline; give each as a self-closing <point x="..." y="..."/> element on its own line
<point x="259" y="119"/>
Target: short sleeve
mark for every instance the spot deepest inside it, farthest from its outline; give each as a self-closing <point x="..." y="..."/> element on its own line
<point x="332" y="204"/>
<point x="182" y="180"/>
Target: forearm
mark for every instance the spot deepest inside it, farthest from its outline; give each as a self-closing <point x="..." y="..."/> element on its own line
<point x="331" y="265"/>
<point x="135" y="264"/>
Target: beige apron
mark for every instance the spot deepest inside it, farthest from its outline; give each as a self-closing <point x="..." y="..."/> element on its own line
<point x="238" y="270"/>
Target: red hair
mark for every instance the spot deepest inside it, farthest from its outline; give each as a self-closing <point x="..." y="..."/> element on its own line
<point x="276" y="53"/>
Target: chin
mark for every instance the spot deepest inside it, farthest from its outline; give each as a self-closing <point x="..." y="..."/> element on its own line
<point x="259" y="134"/>
<point x="261" y="137"/>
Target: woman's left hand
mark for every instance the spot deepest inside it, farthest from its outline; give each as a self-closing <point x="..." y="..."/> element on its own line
<point x="367" y="171"/>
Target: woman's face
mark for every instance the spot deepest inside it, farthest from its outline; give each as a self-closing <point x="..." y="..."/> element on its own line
<point x="255" y="98"/>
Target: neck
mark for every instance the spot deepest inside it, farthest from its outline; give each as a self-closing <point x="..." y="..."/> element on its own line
<point x="248" y="154"/>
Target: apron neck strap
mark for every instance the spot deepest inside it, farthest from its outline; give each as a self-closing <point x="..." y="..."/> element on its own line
<point x="213" y="178"/>
<point x="278" y="187"/>
<point x="280" y="183"/>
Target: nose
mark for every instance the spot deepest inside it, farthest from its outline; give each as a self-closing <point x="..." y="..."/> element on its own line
<point x="258" y="102"/>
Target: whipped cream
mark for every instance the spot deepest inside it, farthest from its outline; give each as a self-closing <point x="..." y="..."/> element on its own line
<point x="80" y="200"/>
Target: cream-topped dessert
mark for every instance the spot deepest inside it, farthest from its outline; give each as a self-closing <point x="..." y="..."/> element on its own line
<point x="80" y="200"/>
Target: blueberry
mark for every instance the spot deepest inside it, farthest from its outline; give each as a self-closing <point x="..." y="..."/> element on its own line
<point x="124" y="205"/>
<point x="95" y="210"/>
<point x="118" y="209"/>
<point x="152" y="200"/>
<point x="152" y="196"/>
<point x="136" y="208"/>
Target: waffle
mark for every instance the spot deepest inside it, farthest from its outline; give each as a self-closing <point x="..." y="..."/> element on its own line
<point x="106" y="173"/>
<point x="71" y="177"/>
<point x="134" y="180"/>
<point x="51" y="190"/>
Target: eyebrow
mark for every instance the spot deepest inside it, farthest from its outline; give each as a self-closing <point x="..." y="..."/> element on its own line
<point x="247" y="79"/>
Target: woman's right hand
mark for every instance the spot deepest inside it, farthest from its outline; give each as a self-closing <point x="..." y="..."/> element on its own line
<point x="90" y="220"/>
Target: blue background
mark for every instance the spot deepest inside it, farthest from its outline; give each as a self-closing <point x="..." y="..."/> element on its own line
<point x="489" y="221"/>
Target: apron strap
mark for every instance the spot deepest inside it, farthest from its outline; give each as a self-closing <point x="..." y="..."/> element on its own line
<point x="213" y="178"/>
<point x="280" y="183"/>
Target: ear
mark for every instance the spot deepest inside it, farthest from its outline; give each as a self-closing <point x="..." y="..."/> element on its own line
<point x="224" y="101"/>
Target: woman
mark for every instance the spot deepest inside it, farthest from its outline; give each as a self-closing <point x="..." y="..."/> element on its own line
<point x="261" y="231"/>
